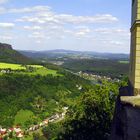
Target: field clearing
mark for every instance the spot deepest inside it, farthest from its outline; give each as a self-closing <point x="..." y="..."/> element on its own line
<point x="36" y="66"/>
<point x="23" y="116"/>
<point x="124" y="62"/>
<point x="17" y="66"/>
<point x="11" y="66"/>
<point x="38" y="69"/>
<point x="43" y="71"/>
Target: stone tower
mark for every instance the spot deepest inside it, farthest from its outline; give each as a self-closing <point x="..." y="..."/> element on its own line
<point x="126" y="120"/>
<point x="134" y="75"/>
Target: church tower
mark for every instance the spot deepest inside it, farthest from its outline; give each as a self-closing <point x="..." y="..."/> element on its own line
<point x="134" y="72"/>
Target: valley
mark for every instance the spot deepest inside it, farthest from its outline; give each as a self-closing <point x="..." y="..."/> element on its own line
<point x="32" y="93"/>
<point x="42" y="99"/>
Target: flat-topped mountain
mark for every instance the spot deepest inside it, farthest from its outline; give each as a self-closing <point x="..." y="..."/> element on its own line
<point x="4" y="46"/>
<point x="8" y="54"/>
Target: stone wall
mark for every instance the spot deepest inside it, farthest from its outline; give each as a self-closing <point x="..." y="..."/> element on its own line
<point x="126" y="122"/>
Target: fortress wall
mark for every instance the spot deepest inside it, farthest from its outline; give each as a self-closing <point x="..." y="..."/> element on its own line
<point x="126" y="122"/>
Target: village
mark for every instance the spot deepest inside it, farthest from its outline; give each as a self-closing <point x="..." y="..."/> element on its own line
<point x="94" y="77"/>
<point x="19" y="133"/>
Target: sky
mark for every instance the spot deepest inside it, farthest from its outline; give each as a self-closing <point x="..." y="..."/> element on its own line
<point x="82" y="25"/>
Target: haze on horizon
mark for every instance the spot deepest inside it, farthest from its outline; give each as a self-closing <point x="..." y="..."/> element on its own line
<point x="82" y="25"/>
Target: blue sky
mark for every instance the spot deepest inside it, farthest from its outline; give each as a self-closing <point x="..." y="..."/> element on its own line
<point x="85" y="25"/>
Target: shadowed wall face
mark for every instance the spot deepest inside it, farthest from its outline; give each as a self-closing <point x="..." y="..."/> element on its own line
<point x="134" y="75"/>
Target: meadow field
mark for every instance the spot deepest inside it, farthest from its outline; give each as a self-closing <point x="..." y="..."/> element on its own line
<point x="11" y="66"/>
<point x="124" y="62"/>
<point x="37" y="69"/>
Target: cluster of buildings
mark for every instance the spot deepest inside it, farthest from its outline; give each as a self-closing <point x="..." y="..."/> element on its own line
<point x="59" y="116"/>
<point x="5" y="71"/>
<point x="36" y="127"/>
<point x="17" y="132"/>
<point x="11" y="132"/>
<point x="95" y="77"/>
<point x="56" y="117"/>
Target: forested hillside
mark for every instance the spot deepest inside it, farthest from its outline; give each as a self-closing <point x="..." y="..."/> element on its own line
<point x="26" y="99"/>
<point x="90" y="115"/>
<point x="109" y="67"/>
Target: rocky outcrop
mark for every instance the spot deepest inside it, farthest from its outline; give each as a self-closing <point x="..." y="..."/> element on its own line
<point x="5" y="46"/>
<point x="8" y="54"/>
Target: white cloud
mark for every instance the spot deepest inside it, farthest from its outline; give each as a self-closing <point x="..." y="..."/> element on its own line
<point x="2" y="10"/>
<point x="30" y="9"/>
<point x="37" y="35"/>
<point x="32" y="27"/>
<point x="122" y="33"/>
<point x="4" y="37"/>
<point x="105" y="18"/>
<point x="110" y="30"/>
<point x="116" y="42"/>
<point x="3" y="1"/>
<point x="38" y="41"/>
<point x="42" y="25"/>
<point x="45" y="15"/>
<point x="68" y="19"/>
<point x="6" y="25"/>
<point x="82" y="32"/>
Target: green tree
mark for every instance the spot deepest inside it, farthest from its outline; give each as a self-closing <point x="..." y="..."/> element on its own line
<point x="36" y="136"/>
<point x="90" y="118"/>
<point x="51" y="131"/>
<point x="39" y="103"/>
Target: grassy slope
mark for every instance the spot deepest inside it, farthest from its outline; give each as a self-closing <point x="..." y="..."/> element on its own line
<point x="44" y="71"/>
<point x="22" y="116"/>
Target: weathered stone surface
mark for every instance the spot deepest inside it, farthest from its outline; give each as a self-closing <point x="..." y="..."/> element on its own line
<point x="134" y="75"/>
<point x="5" y="46"/>
<point x="126" y="122"/>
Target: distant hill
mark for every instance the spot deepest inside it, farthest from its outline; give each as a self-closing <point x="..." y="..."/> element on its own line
<point x="73" y="54"/>
<point x="8" y="54"/>
<point x="107" y="64"/>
